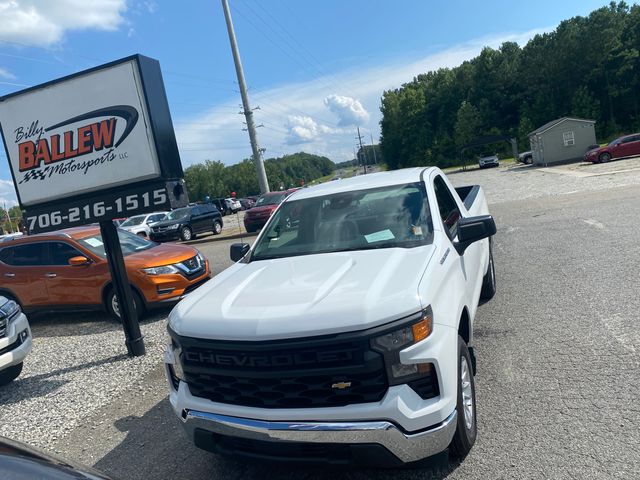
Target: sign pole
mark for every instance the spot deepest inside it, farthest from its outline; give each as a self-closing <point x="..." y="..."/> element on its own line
<point x="128" y="314"/>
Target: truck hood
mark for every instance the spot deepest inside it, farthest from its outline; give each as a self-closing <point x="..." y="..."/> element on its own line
<point x="305" y="296"/>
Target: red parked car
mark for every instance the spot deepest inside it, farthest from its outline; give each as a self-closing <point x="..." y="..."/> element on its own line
<point x="626" y="146"/>
<point x="255" y="218"/>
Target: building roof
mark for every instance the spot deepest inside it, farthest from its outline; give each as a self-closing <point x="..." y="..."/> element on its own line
<point x="362" y="182"/>
<point x="553" y="123"/>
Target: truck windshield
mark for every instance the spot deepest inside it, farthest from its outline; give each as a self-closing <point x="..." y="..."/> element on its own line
<point x="388" y="217"/>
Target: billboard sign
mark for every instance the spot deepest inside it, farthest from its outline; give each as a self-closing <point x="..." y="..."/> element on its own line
<point x="95" y="145"/>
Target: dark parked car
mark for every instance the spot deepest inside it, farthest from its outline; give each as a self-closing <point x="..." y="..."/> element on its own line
<point x="247" y="203"/>
<point x="626" y="146"/>
<point x="526" y="157"/>
<point x="185" y="223"/>
<point x="256" y="217"/>
<point x="19" y="461"/>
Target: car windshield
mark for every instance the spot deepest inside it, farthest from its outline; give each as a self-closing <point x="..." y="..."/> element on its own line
<point x="133" y="221"/>
<point x="129" y="243"/>
<point x="274" y="199"/>
<point x="177" y="214"/>
<point x="387" y="217"/>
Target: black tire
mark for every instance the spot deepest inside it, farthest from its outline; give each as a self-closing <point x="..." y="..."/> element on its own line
<point x="467" y="427"/>
<point x="186" y="234"/>
<point x="604" y="157"/>
<point x="142" y="234"/>
<point x="528" y="160"/>
<point x="217" y="227"/>
<point x="8" y="375"/>
<point x="111" y="304"/>
<point x="489" y="279"/>
<point x="250" y="229"/>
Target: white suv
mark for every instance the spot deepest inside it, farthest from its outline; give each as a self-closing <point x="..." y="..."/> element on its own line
<point x="15" y="340"/>
<point x="140" y="224"/>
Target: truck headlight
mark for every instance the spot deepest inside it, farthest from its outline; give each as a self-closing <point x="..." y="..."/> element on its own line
<point x="9" y="310"/>
<point x="390" y="345"/>
<point x="163" y="270"/>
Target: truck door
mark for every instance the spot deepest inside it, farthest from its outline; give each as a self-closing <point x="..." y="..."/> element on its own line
<point x="450" y="213"/>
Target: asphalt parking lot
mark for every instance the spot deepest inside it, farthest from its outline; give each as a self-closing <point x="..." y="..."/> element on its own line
<point x="558" y="355"/>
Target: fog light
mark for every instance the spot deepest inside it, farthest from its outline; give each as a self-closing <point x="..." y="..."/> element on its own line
<point x="399" y="370"/>
<point x="24" y="335"/>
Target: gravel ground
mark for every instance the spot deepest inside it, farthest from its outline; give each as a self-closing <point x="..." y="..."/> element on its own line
<point x="557" y="350"/>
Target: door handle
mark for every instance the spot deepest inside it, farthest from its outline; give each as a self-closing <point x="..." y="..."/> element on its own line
<point x="9" y="275"/>
<point x="50" y="275"/>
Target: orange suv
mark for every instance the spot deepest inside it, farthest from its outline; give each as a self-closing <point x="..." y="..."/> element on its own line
<point x="68" y="270"/>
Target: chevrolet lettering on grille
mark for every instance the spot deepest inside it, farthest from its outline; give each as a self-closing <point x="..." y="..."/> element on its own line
<point x="278" y="360"/>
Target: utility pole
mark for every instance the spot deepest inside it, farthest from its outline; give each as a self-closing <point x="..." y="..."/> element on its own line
<point x="375" y="160"/>
<point x="248" y="113"/>
<point x="359" y="138"/>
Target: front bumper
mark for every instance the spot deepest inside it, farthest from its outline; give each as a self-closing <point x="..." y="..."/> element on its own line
<point x="165" y="236"/>
<point x="406" y="447"/>
<point x="14" y="349"/>
<point x="407" y="425"/>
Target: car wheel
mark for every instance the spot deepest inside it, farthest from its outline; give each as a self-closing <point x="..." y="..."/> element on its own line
<point x="250" y="229"/>
<point x="217" y="227"/>
<point x="489" y="280"/>
<point x="142" y="234"/>
<point x="186" y="234"/>
<point x="467" y="428"/>
<point x="8" y="375"/>
<point x="528" y="160"/>
<point x="604" y="157"/>
<point x="114" y="309"/>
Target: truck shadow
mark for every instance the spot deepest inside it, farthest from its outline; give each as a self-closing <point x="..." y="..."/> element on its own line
<point x="156" y="447"/>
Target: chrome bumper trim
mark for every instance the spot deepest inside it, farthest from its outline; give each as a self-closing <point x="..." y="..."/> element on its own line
<point x="407" y="447"/>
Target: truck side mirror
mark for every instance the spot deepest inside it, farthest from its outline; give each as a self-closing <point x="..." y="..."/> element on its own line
<point x="238" y="250"/>
<point x="472" y="229"/>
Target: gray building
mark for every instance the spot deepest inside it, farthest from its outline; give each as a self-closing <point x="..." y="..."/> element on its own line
<point x="563" y="140"/>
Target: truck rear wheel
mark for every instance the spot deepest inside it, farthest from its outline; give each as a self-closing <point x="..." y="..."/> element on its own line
<point x="467" y="428"/>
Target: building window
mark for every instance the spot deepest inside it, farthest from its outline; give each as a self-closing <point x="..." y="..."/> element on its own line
<point x="568" y="138"/>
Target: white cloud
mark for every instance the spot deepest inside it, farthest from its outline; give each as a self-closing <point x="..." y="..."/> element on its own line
<point x="44" y="22"/>
<point x="349" y="110"/>
<point x="6" y="74"/>
<point x="7" y="194"/>
<point x="303" y="113"/>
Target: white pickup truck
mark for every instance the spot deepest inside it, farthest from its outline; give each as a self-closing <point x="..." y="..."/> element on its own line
<point x="345" y="333"/>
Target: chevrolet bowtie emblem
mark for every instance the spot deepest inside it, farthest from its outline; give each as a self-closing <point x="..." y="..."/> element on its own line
<point x="341" y="385"/>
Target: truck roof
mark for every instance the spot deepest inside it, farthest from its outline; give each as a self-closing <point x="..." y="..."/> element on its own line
<point x="361" y="182"/>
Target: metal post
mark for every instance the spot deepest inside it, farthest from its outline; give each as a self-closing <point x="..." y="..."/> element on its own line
<point x="359" y="138"/>
<point x="375" y="160"/>
<point x="248" y="113"/>
<point x="128" y="314"/>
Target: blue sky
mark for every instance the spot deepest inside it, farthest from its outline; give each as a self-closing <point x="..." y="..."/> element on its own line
<point x="315" y="69"/>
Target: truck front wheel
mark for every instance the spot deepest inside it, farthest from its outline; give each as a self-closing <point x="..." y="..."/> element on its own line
<point x="467" y="429"/>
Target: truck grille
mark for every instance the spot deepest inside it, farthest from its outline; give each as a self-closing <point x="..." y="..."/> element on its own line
<point x="304" y="373"/>
<point x="3" y="327"/>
